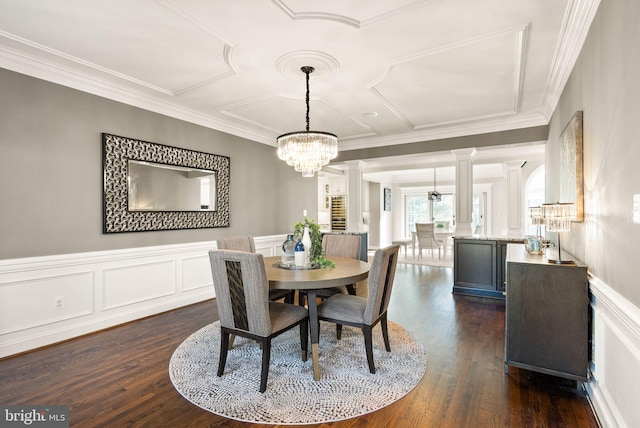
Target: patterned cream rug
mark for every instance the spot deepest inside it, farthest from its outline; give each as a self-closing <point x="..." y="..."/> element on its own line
<point x="346" y="389"/>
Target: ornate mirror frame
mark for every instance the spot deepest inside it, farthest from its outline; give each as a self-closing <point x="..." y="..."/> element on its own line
<point x="117" y="151"/>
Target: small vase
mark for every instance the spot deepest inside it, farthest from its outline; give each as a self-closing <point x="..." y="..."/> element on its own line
<point x="288" y="249"/>
<point x="306" y="241"/>
<point x="534" y="245"/>
<point x="299" y="254"/>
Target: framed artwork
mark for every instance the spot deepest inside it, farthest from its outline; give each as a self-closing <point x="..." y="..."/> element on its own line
<point x="571" y="165"/>
<point x="387" y="199"/>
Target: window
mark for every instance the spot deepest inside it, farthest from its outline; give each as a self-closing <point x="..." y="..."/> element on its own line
<point x="443" y="210"/>
<point x="419" y="209"/>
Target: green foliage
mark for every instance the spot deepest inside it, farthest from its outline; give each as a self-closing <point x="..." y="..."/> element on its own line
<point x="322" y="261"/>
<point x="317" y="253"/>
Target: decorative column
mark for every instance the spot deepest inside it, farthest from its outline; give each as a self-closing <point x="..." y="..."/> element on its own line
<point x="464" y="190"/>
<point x="513" y="171"/>
<point x="355" y="221"/>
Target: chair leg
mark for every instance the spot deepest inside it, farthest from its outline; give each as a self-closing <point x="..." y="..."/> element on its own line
<point x="301" y="299"/>
<point x="338" y="331"/>
<point x="385" y="332"/>
<point x="290" y="298"/>
<point x="351" y="289"/>
<point x="266" y="357"/>
<point x="304" y="338"/>
<point x="368" y="346"/>
<point x="224" y="348"/>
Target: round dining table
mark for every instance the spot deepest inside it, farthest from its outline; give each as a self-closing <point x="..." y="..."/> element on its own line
<point x="346" y="271"/>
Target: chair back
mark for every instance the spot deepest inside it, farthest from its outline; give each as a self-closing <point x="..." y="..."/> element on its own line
<point x="426" y="238"/>
<point x="242" y="290"/>
<point x="381" y="275"/>
<point x="340" y="245"/>
<point x="237" y="243"/>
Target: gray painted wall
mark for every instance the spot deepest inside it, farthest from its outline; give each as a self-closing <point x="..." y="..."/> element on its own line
<point x="605" y="85"/>
<point x="51" y="172"/>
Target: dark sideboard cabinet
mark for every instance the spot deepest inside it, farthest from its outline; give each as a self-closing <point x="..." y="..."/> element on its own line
<point x="479" y="266"/>
<point x="547" y="313"/>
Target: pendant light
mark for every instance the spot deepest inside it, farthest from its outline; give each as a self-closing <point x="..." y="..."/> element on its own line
<point x="435" y="195"/>
<point x="307" y="151"/>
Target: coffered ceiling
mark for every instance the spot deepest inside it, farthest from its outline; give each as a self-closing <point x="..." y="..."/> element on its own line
<point x="387" y="71"/>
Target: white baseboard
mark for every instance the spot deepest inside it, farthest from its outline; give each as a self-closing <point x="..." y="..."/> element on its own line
<point x="44" y="300"/>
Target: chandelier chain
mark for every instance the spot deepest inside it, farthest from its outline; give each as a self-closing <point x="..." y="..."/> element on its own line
<point x="307" y="71"/>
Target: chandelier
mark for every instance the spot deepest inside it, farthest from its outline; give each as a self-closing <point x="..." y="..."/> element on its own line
<point x="307" y="151"/>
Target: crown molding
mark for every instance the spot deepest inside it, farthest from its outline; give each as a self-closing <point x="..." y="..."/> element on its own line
<point x="575" y="26"/>
<point x="70" y="77"/>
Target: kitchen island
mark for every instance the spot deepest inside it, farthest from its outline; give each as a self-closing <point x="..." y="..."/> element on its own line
<point x="479" y="265"/>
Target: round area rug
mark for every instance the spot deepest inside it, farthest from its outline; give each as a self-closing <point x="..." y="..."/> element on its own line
<point x="346" y="388"/>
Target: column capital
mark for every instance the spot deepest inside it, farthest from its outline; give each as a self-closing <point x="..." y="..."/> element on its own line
<point x="354" y="164"/>
<point x="461" y="154"/>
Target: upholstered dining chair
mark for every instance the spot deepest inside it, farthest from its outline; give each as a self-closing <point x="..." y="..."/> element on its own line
<point x="427" y="240"/>
<point x="366" y="312"/>
<point x="246" y="243"/>
<point x="244" y="308"/>
<point x="338" y="245"/>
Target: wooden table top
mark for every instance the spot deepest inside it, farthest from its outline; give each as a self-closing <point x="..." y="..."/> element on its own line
<point x="347" y="271"/>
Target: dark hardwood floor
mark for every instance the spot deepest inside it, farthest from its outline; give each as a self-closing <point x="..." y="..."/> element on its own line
<point x="119" y="377"/>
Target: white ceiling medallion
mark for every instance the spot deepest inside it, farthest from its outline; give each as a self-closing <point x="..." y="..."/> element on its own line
<point x="289" y="64"/>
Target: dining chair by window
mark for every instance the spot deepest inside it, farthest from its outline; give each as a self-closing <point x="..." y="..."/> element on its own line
<point x="246" y="243"/>
<point x="337" y="245"/>
<point x="366" y="312"/>
<point x="244" y="308"/>
<point x="427" y="240"/>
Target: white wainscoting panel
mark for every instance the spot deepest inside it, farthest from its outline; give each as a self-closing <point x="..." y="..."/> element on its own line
<point x="126" y="285"/>
<point x="49" y="299"/>
<point x="615" y="385"/>
<point x="44" y="300"/>
<point x="196" y="272"/>
<point x="269" y="245"/>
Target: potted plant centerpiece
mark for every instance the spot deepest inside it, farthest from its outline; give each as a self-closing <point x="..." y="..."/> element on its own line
<point x="316" y="253"/>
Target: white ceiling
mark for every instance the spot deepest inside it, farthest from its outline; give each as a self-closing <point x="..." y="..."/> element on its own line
<point x="387" y="71"/>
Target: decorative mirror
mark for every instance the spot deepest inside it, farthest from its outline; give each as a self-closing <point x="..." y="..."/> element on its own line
<point x="150" y="186"/>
